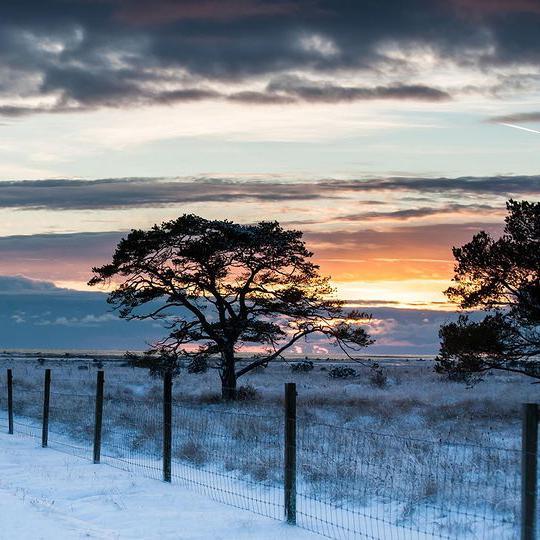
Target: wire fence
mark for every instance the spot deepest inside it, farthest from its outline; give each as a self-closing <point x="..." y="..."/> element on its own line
<point x="386" y="486"/>
<point x="234" y="457"/>
<point x="349" y="483"/>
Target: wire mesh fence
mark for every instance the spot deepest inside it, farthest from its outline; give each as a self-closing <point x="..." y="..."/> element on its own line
<point x="350" y="483"/>
<point x="27" y="414"/>
<point x="234" y="457"/>
<point x="27" y="407"/>
<point x="355" y="483"/>
<point x="71" y="422"/>
<point x="137" y="446"/>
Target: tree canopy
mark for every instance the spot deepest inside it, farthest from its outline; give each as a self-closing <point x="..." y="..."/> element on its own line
<point x="501" y="277"/>
<point x="222" y="287"/>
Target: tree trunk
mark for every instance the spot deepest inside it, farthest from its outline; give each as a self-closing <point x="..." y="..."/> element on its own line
<point x="228" y="378"/>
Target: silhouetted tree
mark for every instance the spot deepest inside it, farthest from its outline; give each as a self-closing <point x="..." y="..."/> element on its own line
<point x="500" y="276"/>
<point x="221" y="286"/>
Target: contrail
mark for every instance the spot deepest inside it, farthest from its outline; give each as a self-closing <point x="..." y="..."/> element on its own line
<point x="520" y="127"/>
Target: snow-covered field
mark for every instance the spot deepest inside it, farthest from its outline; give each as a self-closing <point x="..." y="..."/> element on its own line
<point x="415" y="401"/>
<point x="418" y="456"/>
<point x="47" y="495"/>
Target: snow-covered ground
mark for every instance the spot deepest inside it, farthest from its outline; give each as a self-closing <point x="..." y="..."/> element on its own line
<point x="46" y="495"/>
<point x="417" y="455"/>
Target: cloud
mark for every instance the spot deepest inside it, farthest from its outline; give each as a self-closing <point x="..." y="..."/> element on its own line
<point x="129" y="95"/>
<point x="48" y="317"/>
<point x="358" y="253"/>
<point x="64" y="194"/>
<point x="88" y="321"/>
<point x="401" y="241"/>
<point x="353" y="239"/>
<point x="316" y="92"/>
<point x="139" y="12"/>
<point x="57" y="257"/>
<point x="495" y="185"/>
<point x="23" y="285"/>
<point x="38" y="315"/>
<point x="136" y="192"/>
<point x="415" y="213"/>
<point x="515" y="118"/>
<point x="414" y="252"/>
<point x="59" y="56"/>
<point x="497" y="6"/>
<point x="261" y="98"/>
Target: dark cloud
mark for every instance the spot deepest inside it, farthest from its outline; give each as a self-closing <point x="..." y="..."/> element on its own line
<point x="518" y="118"/>
<point x="186" y="94"/>
<point x="14" y="111"/>
<point x="153" y="192"/>
<point x="262" y="98"/>
<point x="84" y="54"/>
<point x="167" y="11"/>
<point x="499" y="7"/>
<point x="495" y="185"/>
<point x="415" y="213"/>
<point x="312" y="91"/>
<point x="22" y="285"/>
<point x="129" y="96"/>
<point x="55" y="246"/>
<point x="125" y="193"/>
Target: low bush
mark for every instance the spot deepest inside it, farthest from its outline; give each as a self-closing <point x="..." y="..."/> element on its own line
<point x="197" y="365"/>
<point x="340" y="372"/>
<point x="304" y="366"/>
<point x="378" y="378"/>
<point x="247" y="392"/>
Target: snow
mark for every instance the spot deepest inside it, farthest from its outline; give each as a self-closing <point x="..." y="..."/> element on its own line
<point x="46" y="495"/>
<point x="382" y="495"/>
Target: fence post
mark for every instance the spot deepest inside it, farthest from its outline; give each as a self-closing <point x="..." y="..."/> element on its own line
<point x="46" y="401"/>
<point x="167" y="426"/>
<point x="529" y="456"/>
<point x="290" y="453"/>
<point x="98" y="418"/>
<point x="10" y="400"/>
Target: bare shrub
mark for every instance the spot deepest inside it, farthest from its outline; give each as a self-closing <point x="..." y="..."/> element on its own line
<point x="340" y="372"/>
<point x="247" y="392"/>
<point x="378" y="378"/>
<point x="305" y="366"/>
<point x="197" y="365"/>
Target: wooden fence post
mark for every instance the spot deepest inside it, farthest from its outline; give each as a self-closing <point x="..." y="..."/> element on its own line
<point x="46" y="401"/>
<point x="98" y="418"/>
<point x="167" y="426"/>
<point x="10" y="400"/>
<point x="529" y="464"/>
<point x="290" y="453"/>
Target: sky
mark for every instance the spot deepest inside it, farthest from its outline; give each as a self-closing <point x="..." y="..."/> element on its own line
<point x="387" y="131"/>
